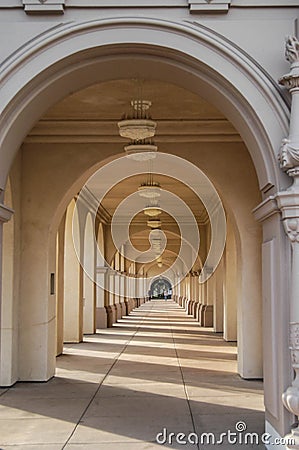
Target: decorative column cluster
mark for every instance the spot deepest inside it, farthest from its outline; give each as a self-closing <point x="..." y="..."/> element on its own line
<point x="288" y="202"/>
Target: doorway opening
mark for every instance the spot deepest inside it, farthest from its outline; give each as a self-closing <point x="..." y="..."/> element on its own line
<point x="161" y="288"/>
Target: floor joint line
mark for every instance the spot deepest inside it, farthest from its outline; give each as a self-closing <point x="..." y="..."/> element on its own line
<point x="102" y="381"/>
<point x="183" y="379"/>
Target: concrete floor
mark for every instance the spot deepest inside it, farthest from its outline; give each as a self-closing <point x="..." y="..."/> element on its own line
<point x="118" y="389"/>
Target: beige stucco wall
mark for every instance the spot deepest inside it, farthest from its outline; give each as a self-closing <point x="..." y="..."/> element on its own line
<point x="46" y="177"/>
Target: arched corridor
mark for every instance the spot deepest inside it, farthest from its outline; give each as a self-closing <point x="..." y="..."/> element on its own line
<point x="119" y="388"/>
<point x="144" y="142"/>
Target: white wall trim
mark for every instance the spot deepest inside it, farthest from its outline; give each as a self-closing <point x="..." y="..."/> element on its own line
<point x="264" y="3"/>
<point x="13" y="4"/>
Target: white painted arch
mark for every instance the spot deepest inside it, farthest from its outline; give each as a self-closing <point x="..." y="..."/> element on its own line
<point x="74" y="55"/>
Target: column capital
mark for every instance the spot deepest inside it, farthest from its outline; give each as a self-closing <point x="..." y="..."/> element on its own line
<point x="291" y="80"/>
<point x="101" y="269"/>
<point x="288" y="157"/>
<point x="292" y="229"/>
<point x="5" y="213"/>
<point x="288" y="203"/>
<point x="289" y="150"/>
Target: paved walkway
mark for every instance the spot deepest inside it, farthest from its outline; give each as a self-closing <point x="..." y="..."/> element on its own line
<point x="116" y="391"/>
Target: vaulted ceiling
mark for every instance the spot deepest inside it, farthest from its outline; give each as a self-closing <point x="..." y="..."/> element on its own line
<point x="91" y="116"/>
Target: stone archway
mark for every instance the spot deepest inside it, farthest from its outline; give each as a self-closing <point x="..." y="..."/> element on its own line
<point x="195" y="55"/>
<point x="53" y="71"/>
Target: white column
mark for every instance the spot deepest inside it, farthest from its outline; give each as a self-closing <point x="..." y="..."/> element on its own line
<point x="111" y="287"/>
<point x="204" y="290"/>
<point x="211" y="290"/>
<point x="140" y="287"/>
<point x="122" y="288"/>
<point x="6" y="335"/>
<point x="89" y="303"/>
<point x="288" y="202"/>
<point x="101" y="315"/>
<point x="60" y="245"/>
<point x="144" y="286"/>
<point x="206" y="312"/>
<point x="230" y="330"/>
<point x="73" y="285"/>
<point x="218" y="302"/>
<point x="191" y="286"/>
<point x="197" y="289"/>
<point x="116" y="288"/>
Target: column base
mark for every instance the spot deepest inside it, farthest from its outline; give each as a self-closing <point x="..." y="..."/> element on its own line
<point x="193" y="306"/>
<point x="118" y="311"/>
<point x="201" y="311"/>
<point x="275" y="437"/>
<point x="208" y="316"/>
<point x="123" y="309"/>
<point x="185" y="302"/>
<point x="196" y="310"/>
<point x="292" y="439"/>
<point x="101" y="318"/>
<point x="130" y="305"/>
<point x="111" y="315"/>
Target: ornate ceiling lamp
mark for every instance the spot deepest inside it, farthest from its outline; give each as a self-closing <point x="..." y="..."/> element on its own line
<point x="139" y="128"/>
<point x="150" y="189"/>
<point x="154" y="223"/>
<point x="159" y="262"/>
<point x="141" y="152"/>
<point x="153" y="209"/>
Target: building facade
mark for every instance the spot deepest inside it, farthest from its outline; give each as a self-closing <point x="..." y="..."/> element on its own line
<point x="225" y="100"/>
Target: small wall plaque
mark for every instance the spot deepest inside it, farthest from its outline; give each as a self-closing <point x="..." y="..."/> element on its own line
<point x="44" y="6"/>
<point x="209" y="6"/>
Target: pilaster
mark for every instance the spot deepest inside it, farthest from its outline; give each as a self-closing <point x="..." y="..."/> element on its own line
<point x="5" y="215"/>
<point x="288" y="203"/>
<point x="101" y="315"/>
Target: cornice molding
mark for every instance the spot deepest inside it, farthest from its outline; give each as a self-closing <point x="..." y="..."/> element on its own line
<point x="105" y="131"/>
<point x="266" y="209"/>
<point x="57" y="6"/>
<point x="5" y="213"/>
<point x="264" y="3"/>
